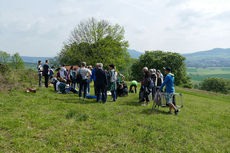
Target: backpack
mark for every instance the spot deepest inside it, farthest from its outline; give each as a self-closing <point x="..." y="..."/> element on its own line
<point x="79" y="77"/>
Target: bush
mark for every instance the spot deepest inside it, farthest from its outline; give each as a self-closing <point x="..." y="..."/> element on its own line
<point x="4" y="69"/>
<point x="216" y="85"/>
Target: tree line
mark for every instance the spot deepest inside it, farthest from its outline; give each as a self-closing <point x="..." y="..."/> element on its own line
<point x="14" y="61"/>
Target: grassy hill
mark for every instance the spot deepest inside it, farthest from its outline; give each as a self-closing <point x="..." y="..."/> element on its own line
<point x="51" y="122"/>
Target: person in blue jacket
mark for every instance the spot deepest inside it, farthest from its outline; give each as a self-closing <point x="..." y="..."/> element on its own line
<point x="93" y="77"/>
<point x="169" y="87"/>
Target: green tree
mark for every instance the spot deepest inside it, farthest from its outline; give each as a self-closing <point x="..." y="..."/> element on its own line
<point x="159" y="60"/>
<point x="4" y="57"/>
<point x="96" y="41"/>
<point x="216" y="85"/>
<point x="16" y="61"/>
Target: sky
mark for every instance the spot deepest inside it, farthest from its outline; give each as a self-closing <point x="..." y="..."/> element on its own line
<point x="39" y="27"/>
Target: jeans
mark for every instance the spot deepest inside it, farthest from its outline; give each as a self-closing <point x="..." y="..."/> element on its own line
<point x="74" y="84"/>
<point x="114" y="95"/>
<point x="40" y="80"/>
<point x="83" y="86"/>
<point x="46" y="80"/>
<point x="88" y="85"/>
<point x="71" y="89"/>
<point x="101" y="90"/>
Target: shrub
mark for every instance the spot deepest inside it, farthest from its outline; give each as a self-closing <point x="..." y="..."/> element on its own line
<point x="216" y="85"/>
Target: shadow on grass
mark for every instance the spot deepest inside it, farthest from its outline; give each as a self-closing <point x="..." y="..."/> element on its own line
<point x="149" y="111"/>
<point x="75" y="101"/>
<point x="130" y="103"/>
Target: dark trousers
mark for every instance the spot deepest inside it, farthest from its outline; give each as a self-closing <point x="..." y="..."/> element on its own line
<point x="101" y="90"/>
<point x="55" y="83"/>
<point x="143" y="95"/>
<point x="83" y="86"/>
<point x="46" y="80"/>
<point x="131" y="88"/>
<point x="153" y="92"/>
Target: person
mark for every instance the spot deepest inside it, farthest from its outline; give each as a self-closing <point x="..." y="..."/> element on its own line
<point x="154" y="79"/>
<point x="93" y="76"/>
<point x="40" y="69"/>
<point x="51" y="73"/>
<point x="101" y="82"/>
<point x="64" y="88"/>
<point x="159" y="80"/>
<point x="54" y="82"/>
<point x="63" y="71"/>
<point x="74" y="78"/>
<point x="146" y="87"/>
<point x="71" y="75"/>
<point x="112" y="77"/>
<point x="46" y="72"/>
<point x="122" y="89"/>
<point x="169" y="87"/>
<point x="133" y="85"/>
<point x="84" y="73"/>
<point x="120" y="77"/>
<point x="88" y="80"/>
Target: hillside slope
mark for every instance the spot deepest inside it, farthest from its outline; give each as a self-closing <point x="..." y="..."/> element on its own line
<point x="51" y="122"/>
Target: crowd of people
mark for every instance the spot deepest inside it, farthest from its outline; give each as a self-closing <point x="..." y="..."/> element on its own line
<point x="67" y="80"/>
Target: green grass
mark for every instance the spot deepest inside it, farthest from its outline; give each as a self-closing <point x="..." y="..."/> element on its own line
<point x="50" y="122"/>
<point x="199" y="74"/>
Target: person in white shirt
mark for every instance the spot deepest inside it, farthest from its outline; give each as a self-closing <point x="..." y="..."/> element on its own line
<point x="40" y="69"/>
<point x="84" y="72"/>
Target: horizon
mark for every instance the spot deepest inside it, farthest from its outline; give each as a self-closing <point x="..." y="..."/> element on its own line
<point x="43" y="26"/>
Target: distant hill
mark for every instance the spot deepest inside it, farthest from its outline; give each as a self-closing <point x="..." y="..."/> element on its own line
<point x="28" y="59"/>
<point x="217" y="57"/>
<point x="134" y="54"/>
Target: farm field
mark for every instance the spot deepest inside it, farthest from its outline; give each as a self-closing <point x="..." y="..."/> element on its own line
<point x="51" y="122"/>
<point x="199" y="74"/>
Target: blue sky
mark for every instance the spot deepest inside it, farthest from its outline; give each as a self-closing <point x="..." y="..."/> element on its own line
<point x="39" y="27"/>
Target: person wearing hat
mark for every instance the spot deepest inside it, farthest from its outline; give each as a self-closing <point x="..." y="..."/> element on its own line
<point x="146" y="87"/>
<point x="112" y="77"/>
<point x="169" y="86"/>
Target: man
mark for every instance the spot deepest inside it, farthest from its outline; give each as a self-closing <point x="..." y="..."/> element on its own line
<point x="40" y="69"/>
<point x="93" y="77"/>
<point x="84" y="72"/>
<point x="101" y="83"/>
<point x="46" y="72"/>
<point x="133" y="84"/>
<point x="169" y="86"/>
<point x="113" y="81"/>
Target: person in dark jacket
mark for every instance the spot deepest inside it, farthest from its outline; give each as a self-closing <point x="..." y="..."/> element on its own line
<point x="146" y="87"/>
<point x="46" y="68"/>
<point x="101" y="82"/>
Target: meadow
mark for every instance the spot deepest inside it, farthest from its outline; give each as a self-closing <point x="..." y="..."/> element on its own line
<point x="199" y="74"/>
<point x="50" y="122"/>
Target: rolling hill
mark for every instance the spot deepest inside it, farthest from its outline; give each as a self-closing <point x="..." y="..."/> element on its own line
<point x="217" y="57"/>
